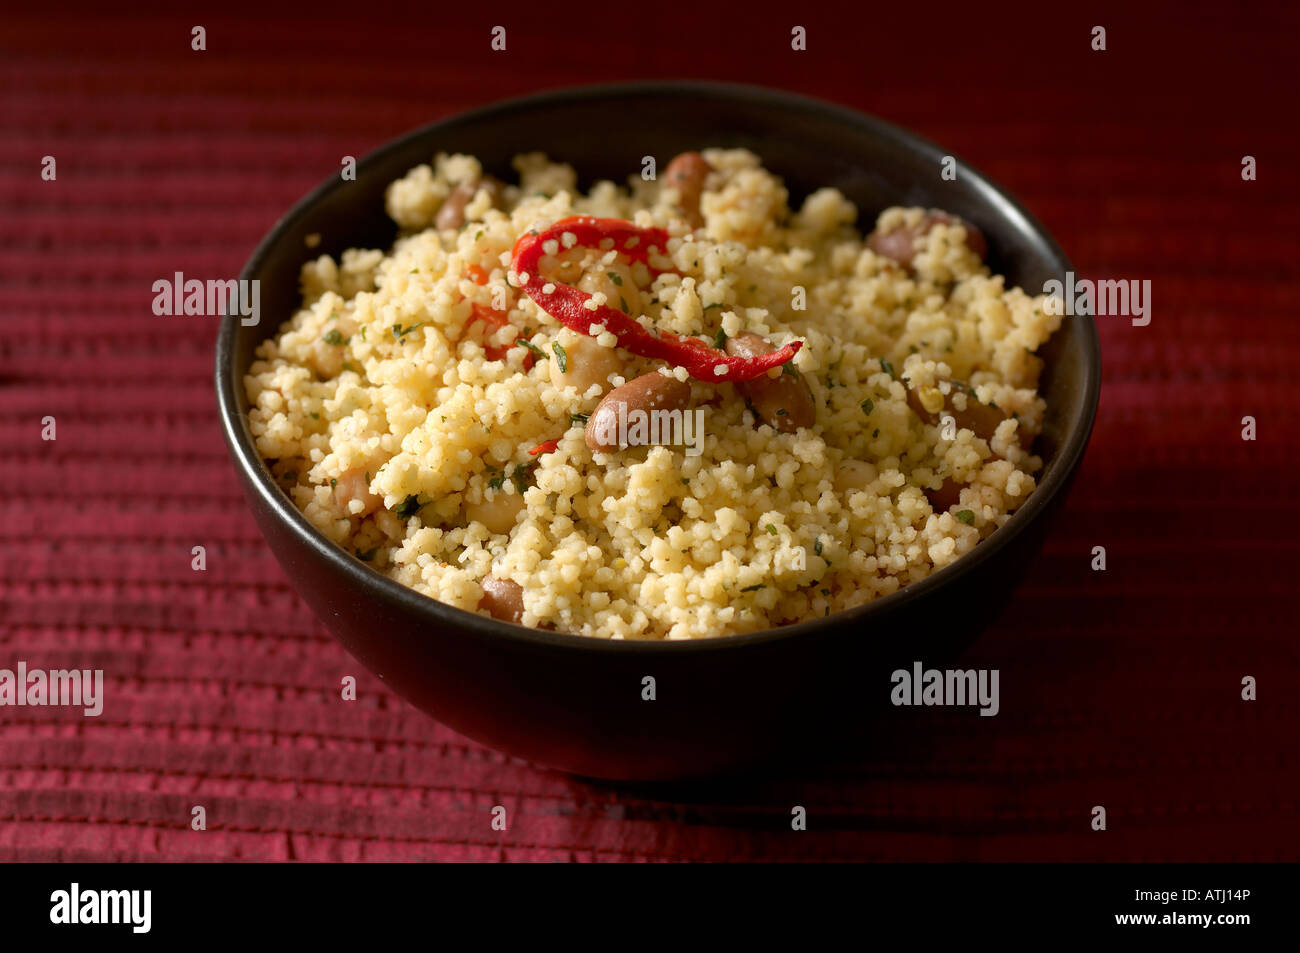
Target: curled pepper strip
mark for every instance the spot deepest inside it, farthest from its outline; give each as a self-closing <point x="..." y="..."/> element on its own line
<point x="568" y="305"/>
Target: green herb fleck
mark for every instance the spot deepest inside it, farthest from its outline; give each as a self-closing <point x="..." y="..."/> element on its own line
<point x="399" y="332"/>
<point x="537" y="351"/>
<point x="771" y="529"/>
<point x="333" y="337"/>
<point x="875" y="433"/>
<point x="817" y="546"/>
<point x="966" y="516"/>
<point x="613" y="276"/>
<point x="521" y="475"/>
<point x="408" y="507"/>
<point x="868" y="406"/>
<point x="754" y="588"/>
<point x="333" y="482"/>
<point x="720" y="340"/>
<point x="368" y="555"/>
<point x="887" y="367"/>
<point x="578" y="419"/>
<point x="561" y="358"/>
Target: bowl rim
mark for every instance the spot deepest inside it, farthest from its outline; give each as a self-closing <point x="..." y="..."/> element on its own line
<point x="373" y="584"/>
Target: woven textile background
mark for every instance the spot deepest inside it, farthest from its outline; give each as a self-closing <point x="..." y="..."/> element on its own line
<point x="1120" y="688"/>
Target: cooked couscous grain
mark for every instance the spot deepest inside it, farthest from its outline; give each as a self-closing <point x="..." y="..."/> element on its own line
<point x="428" y="415"/>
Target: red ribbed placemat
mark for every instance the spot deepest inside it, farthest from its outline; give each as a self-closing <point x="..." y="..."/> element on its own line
<point x="1119" y="689"/>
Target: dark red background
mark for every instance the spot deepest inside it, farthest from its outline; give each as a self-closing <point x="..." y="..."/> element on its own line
<point x="1119" y="689"/>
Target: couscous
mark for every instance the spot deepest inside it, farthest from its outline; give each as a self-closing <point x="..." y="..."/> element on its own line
<point x="672" y="409"/>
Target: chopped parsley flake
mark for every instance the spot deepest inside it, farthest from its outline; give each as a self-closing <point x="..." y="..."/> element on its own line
<point x="537" y="351"/>
<point x="754" y="588"/>
<point x="613" y="276"/>
<point x="868" y="405"/>
<point x="578" y="419"/>
<point x="771" y="529"/>
<point x="887" y="367"/>
<point x="399" y="332"/>
<point x="561" y="358"/>
<point x="333" y="337"/>
<point x="521" y="475"/>
<point x="408" y="507"/>
<point x="966" y="516"/>
<point x="817" y="546"/>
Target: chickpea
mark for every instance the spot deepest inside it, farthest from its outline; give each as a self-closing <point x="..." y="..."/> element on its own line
<point x="854" y="475"/>
<point x="325" y="359"/>
<point x="785" y="402"/>
<point x="585" y="363"/>
<point x="390" y="524"/>
<point x="326" y="354"/>
<point x="497" y="514"/>
<point x="503" y="599"/>
<point x="353" y="486"/>
<point x="616" y="283"/>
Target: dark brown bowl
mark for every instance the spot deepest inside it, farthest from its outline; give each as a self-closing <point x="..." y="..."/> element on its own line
<point x="738" y="702"/>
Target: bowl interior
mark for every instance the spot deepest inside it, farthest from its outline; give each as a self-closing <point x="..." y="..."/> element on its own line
<point x="604" y="133"/>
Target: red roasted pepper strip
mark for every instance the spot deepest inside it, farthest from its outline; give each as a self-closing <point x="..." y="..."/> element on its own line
<point x="547" y="447"/>
<point x="567" y="304"/>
